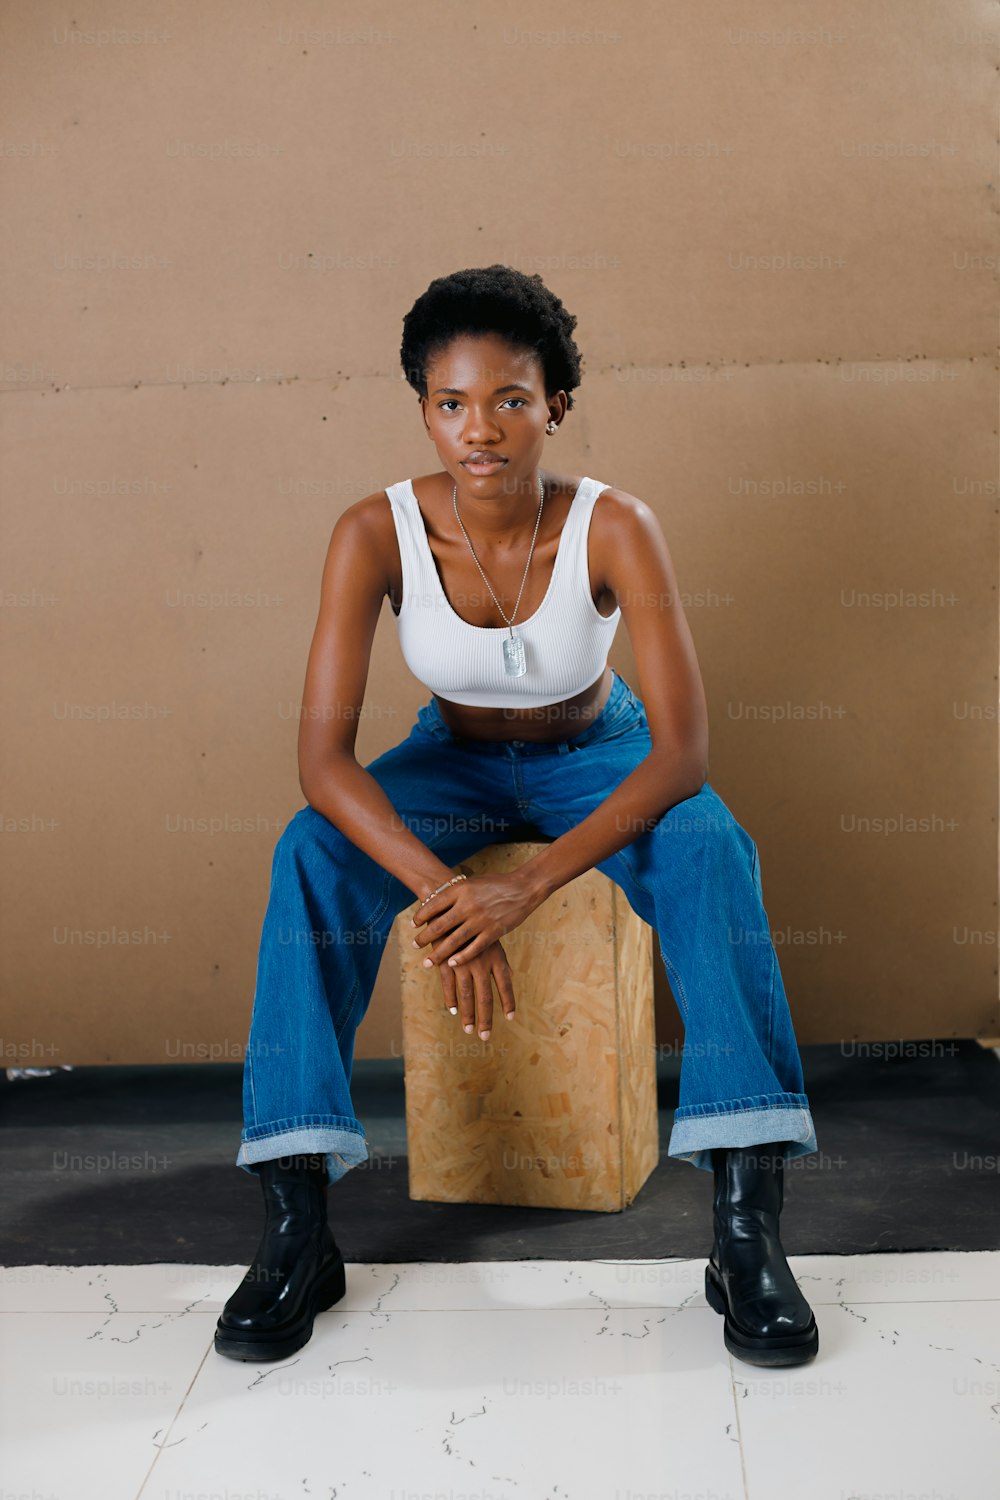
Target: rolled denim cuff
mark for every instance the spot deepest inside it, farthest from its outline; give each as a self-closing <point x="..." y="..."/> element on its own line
<point x="342" y="1149"/>
<point x="694" y="1137"/>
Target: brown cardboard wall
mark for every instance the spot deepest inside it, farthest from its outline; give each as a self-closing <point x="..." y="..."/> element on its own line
<point x="780" y="243"/>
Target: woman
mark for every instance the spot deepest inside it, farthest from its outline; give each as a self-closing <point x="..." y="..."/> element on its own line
<point x="508" y="583"/>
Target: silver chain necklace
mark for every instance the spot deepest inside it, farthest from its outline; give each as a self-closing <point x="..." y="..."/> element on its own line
<point x="513" y="647"/>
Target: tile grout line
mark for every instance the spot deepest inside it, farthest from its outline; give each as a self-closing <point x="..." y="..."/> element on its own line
<point x="739" y="1426"/>
<point x="69" y="1312"/>
<point x="170" y="1427"/>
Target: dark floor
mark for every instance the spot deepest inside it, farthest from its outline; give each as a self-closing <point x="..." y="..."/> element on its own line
<point x="127" y="1166"/>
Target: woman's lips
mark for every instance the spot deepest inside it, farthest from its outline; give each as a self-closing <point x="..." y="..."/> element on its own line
<point x="484" y="467"/>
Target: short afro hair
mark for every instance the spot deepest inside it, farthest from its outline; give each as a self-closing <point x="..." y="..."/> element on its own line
<point x="492" y="300"/>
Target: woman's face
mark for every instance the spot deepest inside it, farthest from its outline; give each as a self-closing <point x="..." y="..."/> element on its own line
<point x="485" y="395"/>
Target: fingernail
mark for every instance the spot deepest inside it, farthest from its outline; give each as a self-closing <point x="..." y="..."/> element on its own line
<point x="415" y="943"/>
<point x="428" y="962"/>
<point x="485" y="1035"/>
<point x="470" y="1028"/>
<point x="453" y="961"/>
<point x="453" y="1009"/>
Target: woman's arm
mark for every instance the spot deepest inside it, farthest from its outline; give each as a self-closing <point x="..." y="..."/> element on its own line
<point x="639" y="571"/>
<point x="353" y="587"/>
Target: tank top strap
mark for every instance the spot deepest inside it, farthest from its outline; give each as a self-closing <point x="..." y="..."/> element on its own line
<point x="412" y="539"/>
<point x="579" y="523"/>
<point x="579" y="517"/>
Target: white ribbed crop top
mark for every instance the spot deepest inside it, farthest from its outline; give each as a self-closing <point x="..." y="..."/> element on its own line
<point x="566" y="640"/>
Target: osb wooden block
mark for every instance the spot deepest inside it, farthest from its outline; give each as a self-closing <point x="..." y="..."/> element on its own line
<point x="558" y="1108"/>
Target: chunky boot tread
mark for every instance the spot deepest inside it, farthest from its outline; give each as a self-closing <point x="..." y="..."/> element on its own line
<point x="775" y="1349"/>
<point x="261" y="1345"/>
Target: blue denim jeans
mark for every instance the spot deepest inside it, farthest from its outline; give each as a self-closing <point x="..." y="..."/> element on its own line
<point x="693" y="875"/>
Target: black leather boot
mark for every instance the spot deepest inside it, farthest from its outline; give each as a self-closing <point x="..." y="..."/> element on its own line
<point x="297" y="1271"/>
<point x="768" y="1320"/>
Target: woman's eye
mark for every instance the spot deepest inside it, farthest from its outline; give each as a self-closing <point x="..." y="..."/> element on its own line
<point x="451" y="401"/>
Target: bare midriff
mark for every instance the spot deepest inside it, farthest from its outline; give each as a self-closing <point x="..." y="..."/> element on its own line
<point x="549" y="721"/>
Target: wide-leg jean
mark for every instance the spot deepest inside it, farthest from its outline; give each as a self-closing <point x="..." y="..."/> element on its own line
<point x="693" y="875"/>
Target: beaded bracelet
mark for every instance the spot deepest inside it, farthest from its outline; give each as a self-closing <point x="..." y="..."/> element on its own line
<point x="441" y="888"/>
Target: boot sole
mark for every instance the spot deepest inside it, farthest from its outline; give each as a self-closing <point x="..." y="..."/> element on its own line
<point x="251" y="1344"/>
<point x="787" y="1349"/>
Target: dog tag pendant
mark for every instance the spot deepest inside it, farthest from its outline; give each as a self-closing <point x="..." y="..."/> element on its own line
<point x="513" y="656"/>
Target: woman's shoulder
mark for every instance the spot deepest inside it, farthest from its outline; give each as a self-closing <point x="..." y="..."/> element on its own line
<point x="374" y="510"/>
<point x="615" y="509"/>
<point x="625" y="533"/>
<point x="618" y="513"/>
<point x="367" y="526"/>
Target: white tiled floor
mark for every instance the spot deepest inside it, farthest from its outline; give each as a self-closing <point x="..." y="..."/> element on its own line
<point x="528" y="1380"/>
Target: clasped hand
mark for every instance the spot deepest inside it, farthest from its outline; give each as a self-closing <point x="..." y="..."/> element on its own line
<point x="465" y="922"/>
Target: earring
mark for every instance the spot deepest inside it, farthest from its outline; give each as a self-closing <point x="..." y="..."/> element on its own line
<point x="550" y="427"/>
